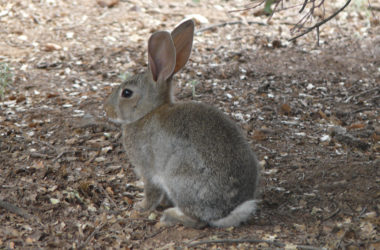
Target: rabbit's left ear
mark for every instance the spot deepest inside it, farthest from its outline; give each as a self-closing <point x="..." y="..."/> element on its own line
<point x="182" y="37"/>
<point x="161" y="56"/>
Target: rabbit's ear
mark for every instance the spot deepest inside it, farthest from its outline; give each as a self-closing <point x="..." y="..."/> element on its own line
<point x="183" y="41"/>
<point x="161" y="56"/>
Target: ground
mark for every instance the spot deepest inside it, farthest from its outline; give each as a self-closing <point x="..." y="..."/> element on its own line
<point x="311" y="114"/>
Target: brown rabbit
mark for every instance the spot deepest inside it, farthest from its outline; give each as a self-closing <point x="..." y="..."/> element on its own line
<point x="188" y="153"/>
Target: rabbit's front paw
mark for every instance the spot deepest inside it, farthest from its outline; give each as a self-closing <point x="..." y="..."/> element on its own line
<point x="141" y="206"/>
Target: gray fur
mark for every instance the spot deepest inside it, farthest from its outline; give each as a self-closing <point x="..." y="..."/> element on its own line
<point x="190" y="153"/>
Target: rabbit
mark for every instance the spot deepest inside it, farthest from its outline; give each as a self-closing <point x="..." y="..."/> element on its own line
<point x="190" y="154"/>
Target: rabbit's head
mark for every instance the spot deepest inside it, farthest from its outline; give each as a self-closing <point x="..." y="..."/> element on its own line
<point x="142" y="93"/>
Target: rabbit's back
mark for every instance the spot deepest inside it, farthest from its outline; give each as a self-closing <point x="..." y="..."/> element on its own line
<point x="216" y="139"/>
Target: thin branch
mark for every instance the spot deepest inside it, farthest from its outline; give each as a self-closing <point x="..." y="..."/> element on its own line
<point x="274" y="10"/>
<point x="46" y="144"/>
<point x="373" y="8"/>
<point x="332" y="215"/>
<point x="322" y="22"/>
<point x="214" y="26"/>
<point x="108" y="197"/>
<point x="230" y="241"/>
<point x="62" y="153"/>
<point x="155" y="233"/>
<point x="39" y="155"/>
<point x="248" y="8"/>
<point x="89" y="238"/>
<point x="317" y="36"/>
<point x="288" y="8"/>
<point x="14" y="209"/>
<point x="303" y="6"/>
<point x="367" y="91"/>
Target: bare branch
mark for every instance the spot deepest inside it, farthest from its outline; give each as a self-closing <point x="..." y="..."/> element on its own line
<point x="202" y="242"/>
<point x="231" y="241"/>
<point x="322" y="22"/>
<point x="303" y="6"/>
<point x="225" y="24"/>
<point x="89" y="238"/>
<point x="248" y="8"/>
<point x="308" y="16"/>
<point x="14" y="209"/>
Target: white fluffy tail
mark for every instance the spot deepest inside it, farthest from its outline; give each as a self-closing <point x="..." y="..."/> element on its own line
<point x="237" y="216"/>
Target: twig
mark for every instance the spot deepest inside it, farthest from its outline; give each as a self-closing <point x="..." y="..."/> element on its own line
<point x="362" y="93"/>
<point x="274" y="10"/>
<point x="322" y="22"/>
<point x="62" y="153"/>
<point x="124" y="220"/>
<point x="89" y="238"/>
<point x="308" y="247"/>
<point x="362" y="212"/>
<point x="14" y="209"/>
<point x="303" y="6"/>
<point x="248" y="8"/>
<point x="39" y="155"/>
<point x="376" y="8"/>
<point x="362" y="109"/>
<point x="375" y="97"/>
<point x="332" y="215"/>
<point x="155" y="233"/>
<point x="108" y="197"/>
<point x="214" y="26"/>
<point x="230" y="241"/>
<point x="47" y="144"/>
<point x="266" y="149"/>
<point x="317" y="36"/>
<point x="367" y="91"/>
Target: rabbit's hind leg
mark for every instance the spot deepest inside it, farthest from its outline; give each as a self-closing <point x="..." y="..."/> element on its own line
<point x="174" y="215"/>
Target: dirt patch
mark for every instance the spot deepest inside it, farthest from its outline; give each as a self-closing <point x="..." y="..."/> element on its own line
<point x="311" y="114"/>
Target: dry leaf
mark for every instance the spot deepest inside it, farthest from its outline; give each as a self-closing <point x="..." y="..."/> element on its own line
<point x="38" y="165"/>
<point x="356" y="126"/>
<point x="128" y="200"/>
<point x="376" y="137"/>
<point x="109" y="190"/>
<point x="51" y="95"/>
<point x="286" y="109"/>
<point x="29" y="240"/>
<point x="322" y="114"/>
<point x="258" y="135"/>
<point x="21" y="98"/>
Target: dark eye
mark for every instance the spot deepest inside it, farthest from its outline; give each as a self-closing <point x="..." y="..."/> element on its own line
<point x="127" y="93"/>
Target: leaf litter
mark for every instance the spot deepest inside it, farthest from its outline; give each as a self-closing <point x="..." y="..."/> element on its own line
<point x="311" y="114"/>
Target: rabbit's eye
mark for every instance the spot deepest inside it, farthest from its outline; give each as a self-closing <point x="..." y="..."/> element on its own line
<point x="126" y="93"/>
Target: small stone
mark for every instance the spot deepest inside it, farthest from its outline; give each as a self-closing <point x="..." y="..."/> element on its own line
<point x="107" y="3"/>
<point x="51" y="47"/>
<point x="325" y="138"/>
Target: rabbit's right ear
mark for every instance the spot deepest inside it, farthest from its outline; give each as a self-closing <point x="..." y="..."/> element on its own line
<point x="161" y="56"/>
<point x="183" y="42"/>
